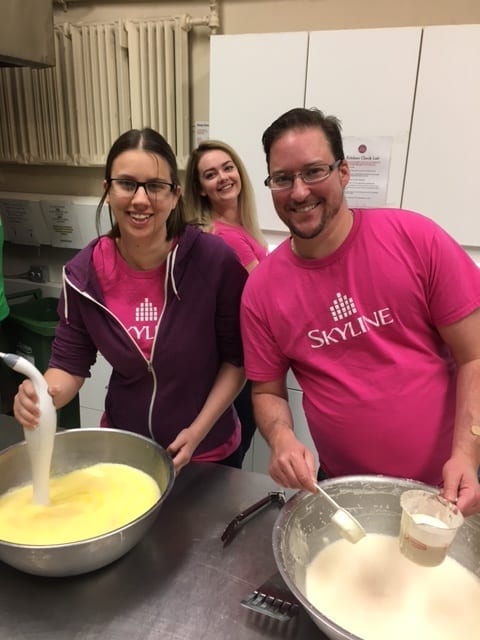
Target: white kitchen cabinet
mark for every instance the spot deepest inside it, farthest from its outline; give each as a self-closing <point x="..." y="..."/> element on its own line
<point x="442" y="169"/>
<point x="364" y="77"/>
<point x="258" y="456"/>
<point x="295" y="398"/>
<point x="253" y="79"/>
<point x="302" y="431"/>
<point x="92" y="394"/>
<point x="90" y="417"/>
<point x="415" y="87"/>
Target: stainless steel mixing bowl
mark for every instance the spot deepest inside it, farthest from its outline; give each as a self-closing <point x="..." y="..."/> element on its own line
<point x="303" y="528"/>
<point x="74" y="449"/>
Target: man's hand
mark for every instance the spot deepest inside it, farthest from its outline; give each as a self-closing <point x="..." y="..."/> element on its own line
<point x="292" y="465"/>
<point x="460" y="484"/>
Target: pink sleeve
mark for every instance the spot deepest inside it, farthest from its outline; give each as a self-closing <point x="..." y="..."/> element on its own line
<point x="263" y="358"/>
<point x="454" y="280"/>
<point x="238" y="243"/>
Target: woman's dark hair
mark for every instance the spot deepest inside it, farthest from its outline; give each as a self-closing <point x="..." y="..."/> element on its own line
<point x="152" y="142"/>
<point x="301" y="118"/>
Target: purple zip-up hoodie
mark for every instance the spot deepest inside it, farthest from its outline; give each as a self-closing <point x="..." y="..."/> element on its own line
<point x="198" y="330"/>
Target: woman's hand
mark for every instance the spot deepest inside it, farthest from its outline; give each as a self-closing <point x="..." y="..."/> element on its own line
<point x="25" y="405"/>
<point x="182" y="448"/>
<point x="229" y="381"/>
<point x="62" y="386"/>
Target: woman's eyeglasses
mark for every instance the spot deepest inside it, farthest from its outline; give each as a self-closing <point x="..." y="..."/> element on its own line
<point x="126" y="188"/>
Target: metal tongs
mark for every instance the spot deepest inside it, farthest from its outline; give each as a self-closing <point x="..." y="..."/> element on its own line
<point x="273" y="497"/>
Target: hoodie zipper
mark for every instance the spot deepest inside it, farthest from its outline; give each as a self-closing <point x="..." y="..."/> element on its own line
<point x="169" y="275"/>
<point x="148" y="361"/>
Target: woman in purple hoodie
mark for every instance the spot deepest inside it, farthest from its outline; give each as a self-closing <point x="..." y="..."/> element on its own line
<point x="160" y="300"/>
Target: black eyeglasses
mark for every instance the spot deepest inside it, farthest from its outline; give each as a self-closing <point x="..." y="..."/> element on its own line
<point x="123" y="187"/>
<point x="309" y="175"/>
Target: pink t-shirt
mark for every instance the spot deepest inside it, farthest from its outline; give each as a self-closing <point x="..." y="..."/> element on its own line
<point x="247" y="248"/>
<point x="358" y="330"/>
<point x="137" y="299"/>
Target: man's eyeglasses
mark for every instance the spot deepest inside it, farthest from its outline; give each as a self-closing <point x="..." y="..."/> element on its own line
<point x="123" y="188"/>
<point x="309" y="175"/>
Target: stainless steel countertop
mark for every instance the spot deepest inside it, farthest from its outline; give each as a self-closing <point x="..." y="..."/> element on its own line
<point x="178" y="583"/>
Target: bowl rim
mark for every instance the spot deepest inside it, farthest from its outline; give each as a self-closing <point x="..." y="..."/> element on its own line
<point x="108" y="534"/>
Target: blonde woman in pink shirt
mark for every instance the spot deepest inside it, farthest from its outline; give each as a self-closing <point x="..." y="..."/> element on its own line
<point x="219" y="197"/>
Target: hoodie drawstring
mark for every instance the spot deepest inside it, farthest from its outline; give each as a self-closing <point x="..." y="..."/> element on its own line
<point x="169" y="270"/>
<point x="65" y="297"/>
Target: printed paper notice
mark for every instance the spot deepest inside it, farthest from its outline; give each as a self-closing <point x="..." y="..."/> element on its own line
<point x="369" y="162"/>
<point x="23" y="222"/>
<point x="201" y="132"/>
<point x="62" y="224"/>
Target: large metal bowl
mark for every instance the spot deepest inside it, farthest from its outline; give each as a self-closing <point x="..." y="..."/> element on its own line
<point x="74" y="449"/>
<point x="303" y="528"/>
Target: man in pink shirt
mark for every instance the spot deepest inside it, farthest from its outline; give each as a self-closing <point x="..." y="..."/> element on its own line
<point x="377" y="312"/>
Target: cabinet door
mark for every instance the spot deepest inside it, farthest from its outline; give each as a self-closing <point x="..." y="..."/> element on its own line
<point x="366" y="78"/>
<point x="90" y="417"/>
<point x="93" y="392"/>
<point x="260" y="454"/>
<point x="254" y="78"/>
<point x="442" y="169"/>
<point x="300" y="422"/>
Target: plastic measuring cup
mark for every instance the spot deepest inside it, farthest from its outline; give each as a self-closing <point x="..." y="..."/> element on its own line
<point x="428" y="526"/>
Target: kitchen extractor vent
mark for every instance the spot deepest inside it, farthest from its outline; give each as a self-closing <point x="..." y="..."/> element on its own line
<point x="26" y="33"/>
<point x="109" y="77"/>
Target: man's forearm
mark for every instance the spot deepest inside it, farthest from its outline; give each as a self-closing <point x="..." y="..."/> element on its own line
<point x="465" y="440"/>
<point x="272" y="415"/>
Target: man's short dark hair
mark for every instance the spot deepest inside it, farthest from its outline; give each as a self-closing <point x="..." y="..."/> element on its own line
<point x="301" y="118"/>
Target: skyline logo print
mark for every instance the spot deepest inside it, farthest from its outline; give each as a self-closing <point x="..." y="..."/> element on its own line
<point x="146" y="312"/>
<point x="343" y="306"/>
<point x="146" y="316"/>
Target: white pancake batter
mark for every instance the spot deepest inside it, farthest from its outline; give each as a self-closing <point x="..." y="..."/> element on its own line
<point x="374" y="592"/>
<point x="83" y="503"/>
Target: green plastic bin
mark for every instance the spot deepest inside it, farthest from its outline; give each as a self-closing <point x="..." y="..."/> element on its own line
<point x="30" y="329"/>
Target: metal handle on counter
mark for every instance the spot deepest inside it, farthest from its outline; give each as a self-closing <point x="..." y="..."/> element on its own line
<point x="232" y="527"/>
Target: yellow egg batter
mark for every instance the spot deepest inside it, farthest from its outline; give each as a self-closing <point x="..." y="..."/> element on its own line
<point x="83" y="503"/>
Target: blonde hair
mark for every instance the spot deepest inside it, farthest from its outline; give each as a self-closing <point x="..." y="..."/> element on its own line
<point x="198" y="207"/>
